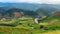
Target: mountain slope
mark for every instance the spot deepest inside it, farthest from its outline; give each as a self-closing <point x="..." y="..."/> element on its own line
<point x="41" y="9"/>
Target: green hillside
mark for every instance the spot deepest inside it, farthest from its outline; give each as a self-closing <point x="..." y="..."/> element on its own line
<point x="27" y="26"/>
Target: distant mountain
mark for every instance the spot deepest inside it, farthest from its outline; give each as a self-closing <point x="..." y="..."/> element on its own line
<point x="29" y="6"/>
<point x="41" y="9"/>
<point x="26" y="6"/>
<point x="47" y="9"/>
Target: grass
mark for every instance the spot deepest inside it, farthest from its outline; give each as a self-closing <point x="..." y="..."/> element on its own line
<point x="27" y="26"/>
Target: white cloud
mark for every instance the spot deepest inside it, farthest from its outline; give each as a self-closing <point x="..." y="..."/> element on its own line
<point x="33" y="1"/>
<point x="52" y="1"/>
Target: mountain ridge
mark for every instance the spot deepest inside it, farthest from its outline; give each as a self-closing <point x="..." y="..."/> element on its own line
<point x="45" y="9"/>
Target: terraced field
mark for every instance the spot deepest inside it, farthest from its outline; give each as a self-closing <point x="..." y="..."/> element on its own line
<point x="27" y="26"/>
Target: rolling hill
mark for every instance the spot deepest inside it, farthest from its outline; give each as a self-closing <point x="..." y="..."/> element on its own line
<point x="41" y="9"/>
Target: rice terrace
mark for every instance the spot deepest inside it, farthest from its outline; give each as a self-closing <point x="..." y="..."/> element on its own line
<point x="29" y="18"/>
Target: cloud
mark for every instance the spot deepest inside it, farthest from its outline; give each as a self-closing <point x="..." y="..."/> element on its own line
<point x="34" y="1"/>
<point x="52" y="1"/>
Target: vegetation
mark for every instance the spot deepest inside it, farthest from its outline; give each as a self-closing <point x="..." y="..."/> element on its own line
<point x="27" y="26"/>
<point x="9" y="12"/>
<point x="24" y="23"/>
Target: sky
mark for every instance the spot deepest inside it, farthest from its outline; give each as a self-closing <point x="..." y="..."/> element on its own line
<point x="33" y="1"/>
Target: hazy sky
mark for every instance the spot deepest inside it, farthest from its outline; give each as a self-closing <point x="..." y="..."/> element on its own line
<point x="33" y="1"/>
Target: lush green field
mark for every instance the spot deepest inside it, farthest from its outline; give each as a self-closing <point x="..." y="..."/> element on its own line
<point x="27" y="26"/>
